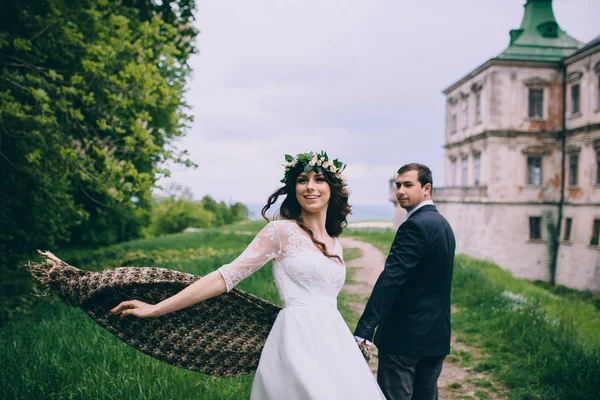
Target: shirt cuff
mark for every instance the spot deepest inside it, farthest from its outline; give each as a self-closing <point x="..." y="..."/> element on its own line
<point x="358" y="338"/>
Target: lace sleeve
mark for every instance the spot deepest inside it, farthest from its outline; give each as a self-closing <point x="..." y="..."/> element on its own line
<point x="264" y="247"/>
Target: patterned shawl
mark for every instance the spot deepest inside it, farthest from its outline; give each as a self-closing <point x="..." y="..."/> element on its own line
<point x="222" y="336"/>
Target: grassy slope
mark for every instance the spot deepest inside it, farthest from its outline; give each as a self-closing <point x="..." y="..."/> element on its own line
<point x="540" y="345"/>
<point x="58" y="353"/>
<point x="61" y="353"/>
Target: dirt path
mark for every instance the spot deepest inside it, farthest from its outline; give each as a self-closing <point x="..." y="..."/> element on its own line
<point x="458" y="380"/>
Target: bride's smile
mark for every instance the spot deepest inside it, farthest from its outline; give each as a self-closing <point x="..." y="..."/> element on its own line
<point x="312" y="191"/>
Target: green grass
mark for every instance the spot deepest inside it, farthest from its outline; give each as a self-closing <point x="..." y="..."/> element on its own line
<point x="380" y="239"/>
<point x="461" y="357"/>
<point x="539" y="344"/>
<point x="60" y="353"/>
<point x="344" y="299"/>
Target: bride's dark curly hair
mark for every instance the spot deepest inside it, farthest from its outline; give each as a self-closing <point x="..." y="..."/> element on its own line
<point x="337" y="210"/>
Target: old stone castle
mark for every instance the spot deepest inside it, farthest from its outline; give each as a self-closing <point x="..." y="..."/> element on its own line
<point x="522" y="159"/>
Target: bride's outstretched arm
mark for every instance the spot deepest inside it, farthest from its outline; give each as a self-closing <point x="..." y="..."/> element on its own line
<point x="206" y="287"/>
<point x="265" y="246"/>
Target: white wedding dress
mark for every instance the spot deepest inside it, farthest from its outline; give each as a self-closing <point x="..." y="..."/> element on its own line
<point x="310" y="352"/>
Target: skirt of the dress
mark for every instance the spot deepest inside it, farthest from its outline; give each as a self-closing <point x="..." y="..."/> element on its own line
<point x="311" y="354"/>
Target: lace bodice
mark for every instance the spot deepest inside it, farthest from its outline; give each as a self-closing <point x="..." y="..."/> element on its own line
<point x="299" y="268"/>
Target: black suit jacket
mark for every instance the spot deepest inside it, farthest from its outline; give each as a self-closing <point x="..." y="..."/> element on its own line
<point x="410" y="303"/>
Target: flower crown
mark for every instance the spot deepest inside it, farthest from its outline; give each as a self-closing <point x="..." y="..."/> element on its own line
<point x="315" y="162"/>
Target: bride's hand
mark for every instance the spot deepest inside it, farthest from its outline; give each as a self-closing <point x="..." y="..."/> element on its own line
<point x="136" y="308"/>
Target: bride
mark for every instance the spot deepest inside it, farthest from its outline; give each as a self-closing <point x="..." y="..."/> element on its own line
<point x="310" y="353"/>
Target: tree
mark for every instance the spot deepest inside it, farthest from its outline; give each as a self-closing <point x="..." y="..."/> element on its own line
<point x="91" y="100"/>
<point x="173" y="215"/>
<point x="239" y="212"/>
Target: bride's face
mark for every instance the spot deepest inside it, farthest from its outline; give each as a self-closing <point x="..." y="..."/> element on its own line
<point x="312" y="191"/>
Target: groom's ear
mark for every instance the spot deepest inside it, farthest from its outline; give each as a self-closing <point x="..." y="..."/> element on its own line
<point x="427" y="188"/>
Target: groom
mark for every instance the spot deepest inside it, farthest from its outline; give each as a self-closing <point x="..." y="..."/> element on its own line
<point x="410" y="303"/>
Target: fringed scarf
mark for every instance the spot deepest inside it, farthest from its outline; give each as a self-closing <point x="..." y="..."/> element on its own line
<point x="222" y="336"/>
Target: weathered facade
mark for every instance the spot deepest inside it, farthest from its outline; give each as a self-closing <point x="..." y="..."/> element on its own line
<point x="522" y="161"/>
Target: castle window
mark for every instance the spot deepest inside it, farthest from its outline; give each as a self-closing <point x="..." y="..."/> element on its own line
<point x="536" y="103"/>
<point x="534" y="170"/>
<point x="598" y="92"/>
<point x="476" y="167"/>
<point x="598" y="167"/>
<point x="453" y="123"/>
<point x="575" y="98"/>
<point x="595" y="233"/>
<point x="573" y="168"/>
<point x="464" y="168"/>
<point x="453" y="171"/>
<point x="535" y="227"/>
<point x="568" y="225"/>
<point x="466" y="114"/>
<point x="478" y="108"/>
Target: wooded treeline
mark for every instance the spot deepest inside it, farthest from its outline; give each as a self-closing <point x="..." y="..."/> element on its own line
<point x="91" y="100"/>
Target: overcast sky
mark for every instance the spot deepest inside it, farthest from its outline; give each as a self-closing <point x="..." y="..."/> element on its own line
<point x="361" y="79"/>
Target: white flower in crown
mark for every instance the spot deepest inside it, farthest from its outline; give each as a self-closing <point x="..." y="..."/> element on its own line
<point x="312" y="162"/>
<point x="326" y="164"/>
<point x="322" y="158"/>
<point x="332" y="168"/>
<point x="343" y="178"/>
<point x="319" y="162"/>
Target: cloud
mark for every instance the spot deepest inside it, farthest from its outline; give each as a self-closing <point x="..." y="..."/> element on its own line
<point x="360" y="79"/>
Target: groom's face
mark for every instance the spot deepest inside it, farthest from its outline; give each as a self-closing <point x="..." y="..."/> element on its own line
<point x="409" y="191"/>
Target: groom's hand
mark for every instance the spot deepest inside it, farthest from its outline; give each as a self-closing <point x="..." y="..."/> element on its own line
<point x="365" y="348"/>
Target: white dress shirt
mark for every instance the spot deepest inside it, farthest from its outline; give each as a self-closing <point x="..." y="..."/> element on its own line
<point x="421" y="204"/>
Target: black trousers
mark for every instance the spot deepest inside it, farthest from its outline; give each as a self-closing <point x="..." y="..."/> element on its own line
<point x="409" y="377"/>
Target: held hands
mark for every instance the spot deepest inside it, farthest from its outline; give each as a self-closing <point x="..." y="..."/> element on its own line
<point x="365" y="349"/>
<point x="136" y="308"/>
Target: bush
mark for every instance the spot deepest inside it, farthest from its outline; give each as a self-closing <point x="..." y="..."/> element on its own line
<point x="179" y="211"/>
<point x="175" y="215"/>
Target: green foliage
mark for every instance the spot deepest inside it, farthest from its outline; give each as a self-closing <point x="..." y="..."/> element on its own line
<point x="91" y="100"/>
<point x="179" y="211"/>
<point x="318" y="162"/>
<point x="173" y="216"/>
<point x="225" y="215"/>
<point x="176" y="213"/>
<point x="569" y="293"/>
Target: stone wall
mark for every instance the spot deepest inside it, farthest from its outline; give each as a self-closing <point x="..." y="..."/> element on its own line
<point x="578" y="261"/>
<point x="500" y="233"/>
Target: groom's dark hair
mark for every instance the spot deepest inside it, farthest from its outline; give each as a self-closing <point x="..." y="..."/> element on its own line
<point x="424" y="173"/>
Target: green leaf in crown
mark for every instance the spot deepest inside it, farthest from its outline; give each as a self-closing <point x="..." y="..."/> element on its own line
<point x="315" y="162"/>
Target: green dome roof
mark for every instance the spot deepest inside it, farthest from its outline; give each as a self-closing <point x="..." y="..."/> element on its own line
<point x="539" y="38"/>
